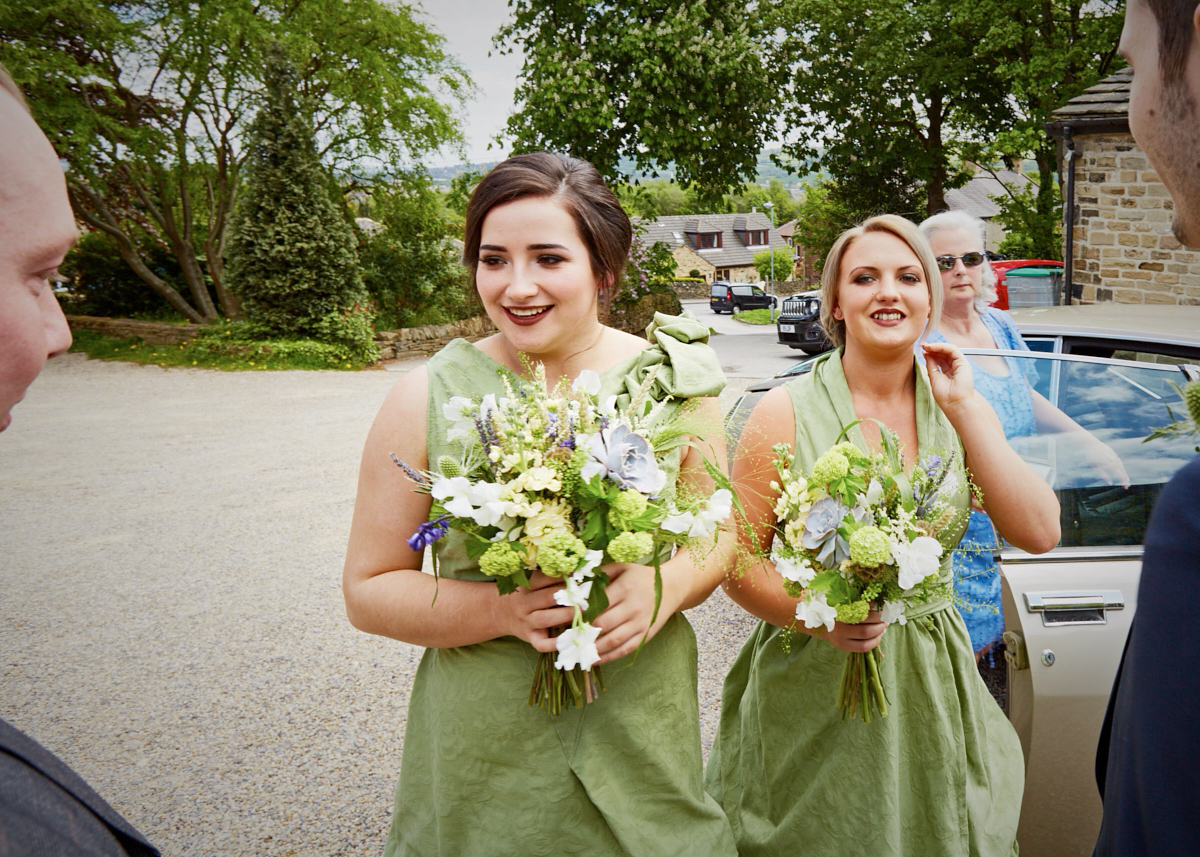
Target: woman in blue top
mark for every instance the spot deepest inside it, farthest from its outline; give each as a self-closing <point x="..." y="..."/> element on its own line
<point x="968" y="321"/>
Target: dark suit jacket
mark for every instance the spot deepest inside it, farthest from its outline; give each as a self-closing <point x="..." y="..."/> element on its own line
<point x="1148" y="769"/>
<point x="47" y="810"/>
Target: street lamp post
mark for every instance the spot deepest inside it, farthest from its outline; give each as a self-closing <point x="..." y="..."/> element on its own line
<point x="770" y="206"/>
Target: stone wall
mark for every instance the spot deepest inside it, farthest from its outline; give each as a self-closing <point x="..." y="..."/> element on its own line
<point x="428" y="340"/>
<point x="150" y="332"/>
<point x="1124" y="250"/>
<point x="635" y="319"/>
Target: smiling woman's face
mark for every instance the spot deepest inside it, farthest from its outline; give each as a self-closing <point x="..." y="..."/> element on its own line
<point x="535" y="278"/>
<point x="882" y="294"/>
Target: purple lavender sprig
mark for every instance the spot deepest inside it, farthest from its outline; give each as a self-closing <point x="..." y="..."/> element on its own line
<point x="414" y="475"/>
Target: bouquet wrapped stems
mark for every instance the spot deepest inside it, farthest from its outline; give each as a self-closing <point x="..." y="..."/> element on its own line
<point x="862" y="688"/>
<point x="554" y="689"/>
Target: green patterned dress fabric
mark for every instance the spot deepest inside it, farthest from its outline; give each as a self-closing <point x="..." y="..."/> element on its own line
<point x="482" y="772"/>
<point x="941" y="776"/>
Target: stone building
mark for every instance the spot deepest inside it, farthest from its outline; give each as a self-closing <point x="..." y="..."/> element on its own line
<point x="1119" y="245"/>
<point x="716" y="246"/>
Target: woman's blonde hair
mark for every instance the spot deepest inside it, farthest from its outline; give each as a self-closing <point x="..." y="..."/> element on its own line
<point x="907" y="232"/>
<point x="961" y="220"/>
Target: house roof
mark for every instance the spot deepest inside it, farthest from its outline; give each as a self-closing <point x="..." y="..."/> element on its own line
<point x="977" y="197"/>
<point x="674" y="230"/>
<point x="1100" y="108"/>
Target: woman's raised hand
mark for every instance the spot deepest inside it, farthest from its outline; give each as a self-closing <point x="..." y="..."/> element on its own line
<point x="950" y="374"/>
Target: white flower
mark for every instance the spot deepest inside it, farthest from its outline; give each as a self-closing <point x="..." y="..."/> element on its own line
<point x="442" y="488"/>
<point x="815" y="611"/>
<point x="587" y="382"/>
<point x="490" y="504"/>
<point x="458" y="408"/>
<point x="461" y="412"/>
<point x="874" y="492"/>
<point x="678" y="522"/>
<point x="718" y="509"/>
<point x="539" y="478"/>
<point x="608" y="408"/>
<point x="577" y="647"/>
<point x="798" y="570"/>
<point x="893" y="611"/>
<point x="455" y="495"/>
<point x="916" y="560"/>
<point x="575" y="592"/>
<point x="592" y="560"/>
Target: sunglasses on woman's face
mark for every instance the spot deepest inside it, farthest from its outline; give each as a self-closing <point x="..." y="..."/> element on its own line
<point x="970" y="260"/>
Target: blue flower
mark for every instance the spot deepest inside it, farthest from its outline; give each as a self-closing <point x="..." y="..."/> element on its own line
<point x="429" y="532"/>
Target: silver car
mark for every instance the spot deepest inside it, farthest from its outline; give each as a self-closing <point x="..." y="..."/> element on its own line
<point x="1115" y="369"/>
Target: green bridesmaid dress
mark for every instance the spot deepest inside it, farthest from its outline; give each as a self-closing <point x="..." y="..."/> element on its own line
<point x="484" y="774"/>
<point x="940" y="776"/>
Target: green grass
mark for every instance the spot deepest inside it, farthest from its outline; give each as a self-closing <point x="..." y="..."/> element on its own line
<point x="219" y="351"/>
<point x="756" y="316"/>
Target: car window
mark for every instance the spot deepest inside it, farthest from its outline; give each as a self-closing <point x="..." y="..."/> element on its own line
<point x="1118" y="403"/>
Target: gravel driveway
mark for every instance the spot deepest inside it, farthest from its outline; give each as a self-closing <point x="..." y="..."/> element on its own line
<point x="171" y="620"/>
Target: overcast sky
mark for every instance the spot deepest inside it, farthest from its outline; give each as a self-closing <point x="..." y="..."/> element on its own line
<point x="468" y="26"/>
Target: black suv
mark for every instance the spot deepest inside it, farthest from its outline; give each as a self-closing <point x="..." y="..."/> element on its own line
<point x="799" y="324"/>
<point x="735" y="297"/>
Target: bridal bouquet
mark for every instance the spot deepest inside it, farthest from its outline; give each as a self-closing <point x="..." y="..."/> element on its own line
<point x="857" y="534"/>
<point x="556" y="481"/>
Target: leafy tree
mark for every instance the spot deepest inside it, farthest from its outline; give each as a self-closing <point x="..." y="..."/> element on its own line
<point x="292" y="256"/>
<point x="755" y="197"/>
<point x="1045" y="52"/>
<point x="100" y="283"/>
<point x="821" y="218"/>
<point x="148" y="102"/>
<point x="784" y="263"/>
<point x="412" y="269"/>
<point x="659" y="83"/>
<point x="1031" y="230"/>
<point x="884" y="93"/>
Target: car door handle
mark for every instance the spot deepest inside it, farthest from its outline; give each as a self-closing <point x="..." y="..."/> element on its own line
<point x="1074" y="607"/>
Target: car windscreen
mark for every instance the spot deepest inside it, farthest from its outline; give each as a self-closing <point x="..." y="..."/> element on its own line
<point x="1117" y="403"/>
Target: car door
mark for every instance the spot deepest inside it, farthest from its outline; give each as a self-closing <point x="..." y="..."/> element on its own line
<point x="1067" y="612"/>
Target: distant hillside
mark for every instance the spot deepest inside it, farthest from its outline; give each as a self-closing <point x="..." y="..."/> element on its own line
<point x="767" y="170"/>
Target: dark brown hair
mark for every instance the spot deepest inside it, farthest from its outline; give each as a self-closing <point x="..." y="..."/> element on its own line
<point x="577" y="186"/>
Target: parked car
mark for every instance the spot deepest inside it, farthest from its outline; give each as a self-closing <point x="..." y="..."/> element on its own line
<point x="1113" y="368"/>
<point x="799" y="324"/>
<point x="735" y="297"/>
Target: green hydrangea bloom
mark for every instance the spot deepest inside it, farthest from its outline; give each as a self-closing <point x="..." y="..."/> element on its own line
<point x="628" y="506"/>
<point x="830" y="466"/>
<point x="560" y="553"/>
<point x="501" y="560"/>
<point x="854" y="612"/>
<point x="872" y="591"/>
<point x="852" y="453"/>
<point x="869" y="547"/>
<point x="631" y="547"/>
